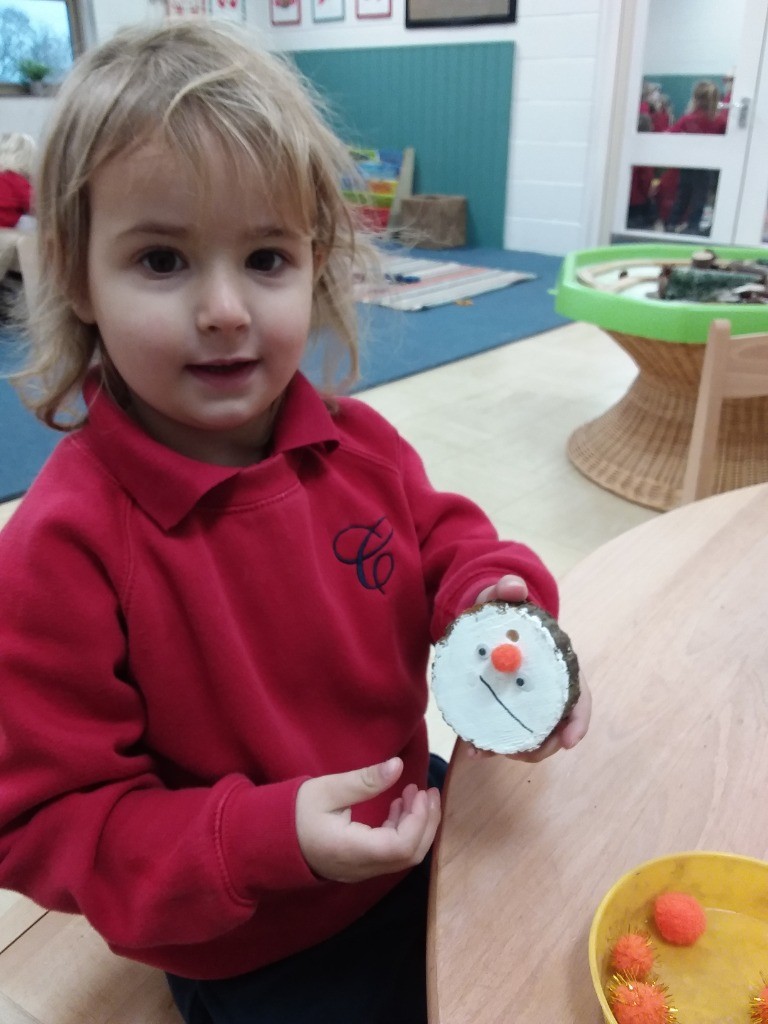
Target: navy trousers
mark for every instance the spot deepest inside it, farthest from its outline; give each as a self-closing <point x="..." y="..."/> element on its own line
<point x="373" y="972"/>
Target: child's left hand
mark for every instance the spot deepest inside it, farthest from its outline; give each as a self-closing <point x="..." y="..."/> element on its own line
<point x="571" y="730"/>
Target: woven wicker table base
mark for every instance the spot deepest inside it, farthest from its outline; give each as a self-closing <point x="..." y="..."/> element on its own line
<point x="638" y="448"/>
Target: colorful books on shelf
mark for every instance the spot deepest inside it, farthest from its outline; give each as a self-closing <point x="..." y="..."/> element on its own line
<point x="384" y="176"/>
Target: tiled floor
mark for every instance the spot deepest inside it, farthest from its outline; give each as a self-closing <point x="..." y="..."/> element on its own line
<point x="494" y="427"/>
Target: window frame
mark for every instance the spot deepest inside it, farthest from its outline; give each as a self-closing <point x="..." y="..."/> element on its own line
<point x="80" y="18"/>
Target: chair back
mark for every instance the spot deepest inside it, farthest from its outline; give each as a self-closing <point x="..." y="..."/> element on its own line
<point x="734" y="367"/>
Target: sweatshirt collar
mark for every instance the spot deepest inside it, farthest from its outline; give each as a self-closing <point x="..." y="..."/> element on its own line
<point x="167" y="485"/>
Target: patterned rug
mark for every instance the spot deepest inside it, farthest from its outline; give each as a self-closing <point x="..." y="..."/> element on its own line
<point x="413" y="284"/>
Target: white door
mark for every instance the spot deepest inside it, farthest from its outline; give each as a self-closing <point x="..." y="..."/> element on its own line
<point x="695" y="185"/>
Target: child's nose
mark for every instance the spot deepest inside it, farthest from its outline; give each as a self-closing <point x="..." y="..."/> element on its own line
<point x="506" y="657"/>
<point x="221" y="304"/>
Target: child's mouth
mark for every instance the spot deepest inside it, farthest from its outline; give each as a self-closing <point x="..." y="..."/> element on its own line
<point x="225" y="371"/>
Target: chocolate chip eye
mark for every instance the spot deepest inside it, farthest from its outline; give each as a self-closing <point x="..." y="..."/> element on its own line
<point x="513" y="635"/>
<point x="520" y="681"/>
<point x="482" y="651"/>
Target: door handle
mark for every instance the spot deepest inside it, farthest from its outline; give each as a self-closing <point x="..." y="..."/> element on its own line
<point x="742" y="106"/>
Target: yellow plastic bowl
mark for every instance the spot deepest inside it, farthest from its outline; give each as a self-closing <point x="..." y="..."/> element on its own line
<point x="715" y="979"/>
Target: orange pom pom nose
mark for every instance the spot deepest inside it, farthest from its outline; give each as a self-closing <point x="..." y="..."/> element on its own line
<point x="507" y="657"/>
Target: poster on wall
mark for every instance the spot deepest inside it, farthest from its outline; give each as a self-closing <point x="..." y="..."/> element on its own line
<point x="231" y="10"/>
<point x="442" y="13"/>
<point x="285" y="12"/>
<point x="373" y="8"/>
<point x="327" y="10"/>
<point x="186" y="8"/>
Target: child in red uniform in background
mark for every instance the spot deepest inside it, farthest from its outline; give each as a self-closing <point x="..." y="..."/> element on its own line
<point x="219" y="595"/>
<point x="642" y="208"/>
<point x="17" y="157"/>
<point x="694" y="183"/>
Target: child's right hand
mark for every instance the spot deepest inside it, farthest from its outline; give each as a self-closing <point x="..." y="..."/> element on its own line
<point x="342" y="850"/>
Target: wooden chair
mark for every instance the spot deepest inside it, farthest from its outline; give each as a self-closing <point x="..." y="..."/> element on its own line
<point x="734" y="367"/>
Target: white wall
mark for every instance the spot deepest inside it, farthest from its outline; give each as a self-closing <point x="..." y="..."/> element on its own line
<point x="559" y="113"/>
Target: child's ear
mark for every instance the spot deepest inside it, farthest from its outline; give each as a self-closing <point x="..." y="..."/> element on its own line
<point x="82" y="307"/>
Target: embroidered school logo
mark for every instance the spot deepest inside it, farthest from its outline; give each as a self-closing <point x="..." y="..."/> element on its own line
<point x="364" y="547"/>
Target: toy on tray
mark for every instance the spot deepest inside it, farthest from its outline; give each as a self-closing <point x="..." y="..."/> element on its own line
<point x="640" y="1002"/>
<point x="759" y="1009"/>
<point x="504" y="676"/>
<point x="633" y="955"/>
<point x="679" y="917"/>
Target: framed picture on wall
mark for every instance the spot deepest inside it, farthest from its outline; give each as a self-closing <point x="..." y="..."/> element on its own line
<point x="442" y="13"/>
<point x="327" y="10"/>
<point x="186" y="8"/>
<point x="373" y="8"/>
<point x="230" y="10"/>
<point x="285" y="12"/>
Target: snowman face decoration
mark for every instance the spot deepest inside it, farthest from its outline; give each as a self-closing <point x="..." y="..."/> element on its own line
<point x="504" y="676"/>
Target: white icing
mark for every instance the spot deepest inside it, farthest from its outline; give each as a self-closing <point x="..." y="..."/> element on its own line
<point x="507" y="712"/>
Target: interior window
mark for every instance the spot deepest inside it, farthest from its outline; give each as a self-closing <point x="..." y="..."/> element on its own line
<point x="38" y="40"/>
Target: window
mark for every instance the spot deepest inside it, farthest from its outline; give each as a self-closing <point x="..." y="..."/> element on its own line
<point x="38" y="40"/>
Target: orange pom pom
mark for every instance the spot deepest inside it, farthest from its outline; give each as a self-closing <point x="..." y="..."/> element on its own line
<point x="633" y="956"/>
<point x="759" y="1013"/>
<point x="507" y="657"/>
<point x="639" y="1002"/>
<point x="679" y="917"/>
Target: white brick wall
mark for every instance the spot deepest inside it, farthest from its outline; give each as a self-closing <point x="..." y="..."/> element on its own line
<point x="560" y="110"/>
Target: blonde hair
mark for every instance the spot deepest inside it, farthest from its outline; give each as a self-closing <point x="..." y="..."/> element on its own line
<point x="18" y="153"/>
<point x="188" y="81"/>
<point x="704" y="98"/>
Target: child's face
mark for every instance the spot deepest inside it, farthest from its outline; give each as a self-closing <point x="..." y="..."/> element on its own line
<point x="202" y="301"/>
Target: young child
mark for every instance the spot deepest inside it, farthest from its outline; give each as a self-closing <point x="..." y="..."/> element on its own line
<point x="695" y="183"/>
<point x="17" y="158"/>
<point x="219" y="594"/>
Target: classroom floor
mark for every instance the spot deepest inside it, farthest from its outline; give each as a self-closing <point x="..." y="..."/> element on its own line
<point x="495" y="426"/>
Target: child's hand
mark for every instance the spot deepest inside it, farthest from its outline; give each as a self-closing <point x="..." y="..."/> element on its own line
<point x="509" y="588"/>
<point x="342" y="850"/>
<point x="571" y="731"/>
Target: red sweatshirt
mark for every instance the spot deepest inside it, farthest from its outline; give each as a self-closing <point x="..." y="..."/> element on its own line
<point x="15" y="198"/>
<point x="698" y="122"/>
<point x="182" y="644"/>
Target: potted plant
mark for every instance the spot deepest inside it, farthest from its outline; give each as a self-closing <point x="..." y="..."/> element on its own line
<point x="34" y="73"/>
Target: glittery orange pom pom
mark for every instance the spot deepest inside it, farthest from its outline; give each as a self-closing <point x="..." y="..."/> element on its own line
<point x="759" y="1013"/>
<point x="679" y="917"/>
<point x="633" y="955"/>
<point x="640" y="1002"/>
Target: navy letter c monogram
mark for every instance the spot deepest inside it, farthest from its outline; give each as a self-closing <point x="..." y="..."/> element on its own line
<point x="363" y="547"/>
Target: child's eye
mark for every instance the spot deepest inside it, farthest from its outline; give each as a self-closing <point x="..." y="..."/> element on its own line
<point x="162" y="261"/>
<point x="266" y="261"/>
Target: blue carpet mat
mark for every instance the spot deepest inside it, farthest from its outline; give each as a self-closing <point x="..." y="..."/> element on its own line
<point x="395" y="345"/>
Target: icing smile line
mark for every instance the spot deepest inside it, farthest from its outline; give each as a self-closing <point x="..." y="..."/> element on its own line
<point x="496" y="698"/>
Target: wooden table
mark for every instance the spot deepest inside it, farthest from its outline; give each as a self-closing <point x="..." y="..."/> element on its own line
<point x="668" y="621"/>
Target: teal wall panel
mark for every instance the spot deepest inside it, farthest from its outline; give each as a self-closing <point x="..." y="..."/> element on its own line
<point x="451" y="103"/>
